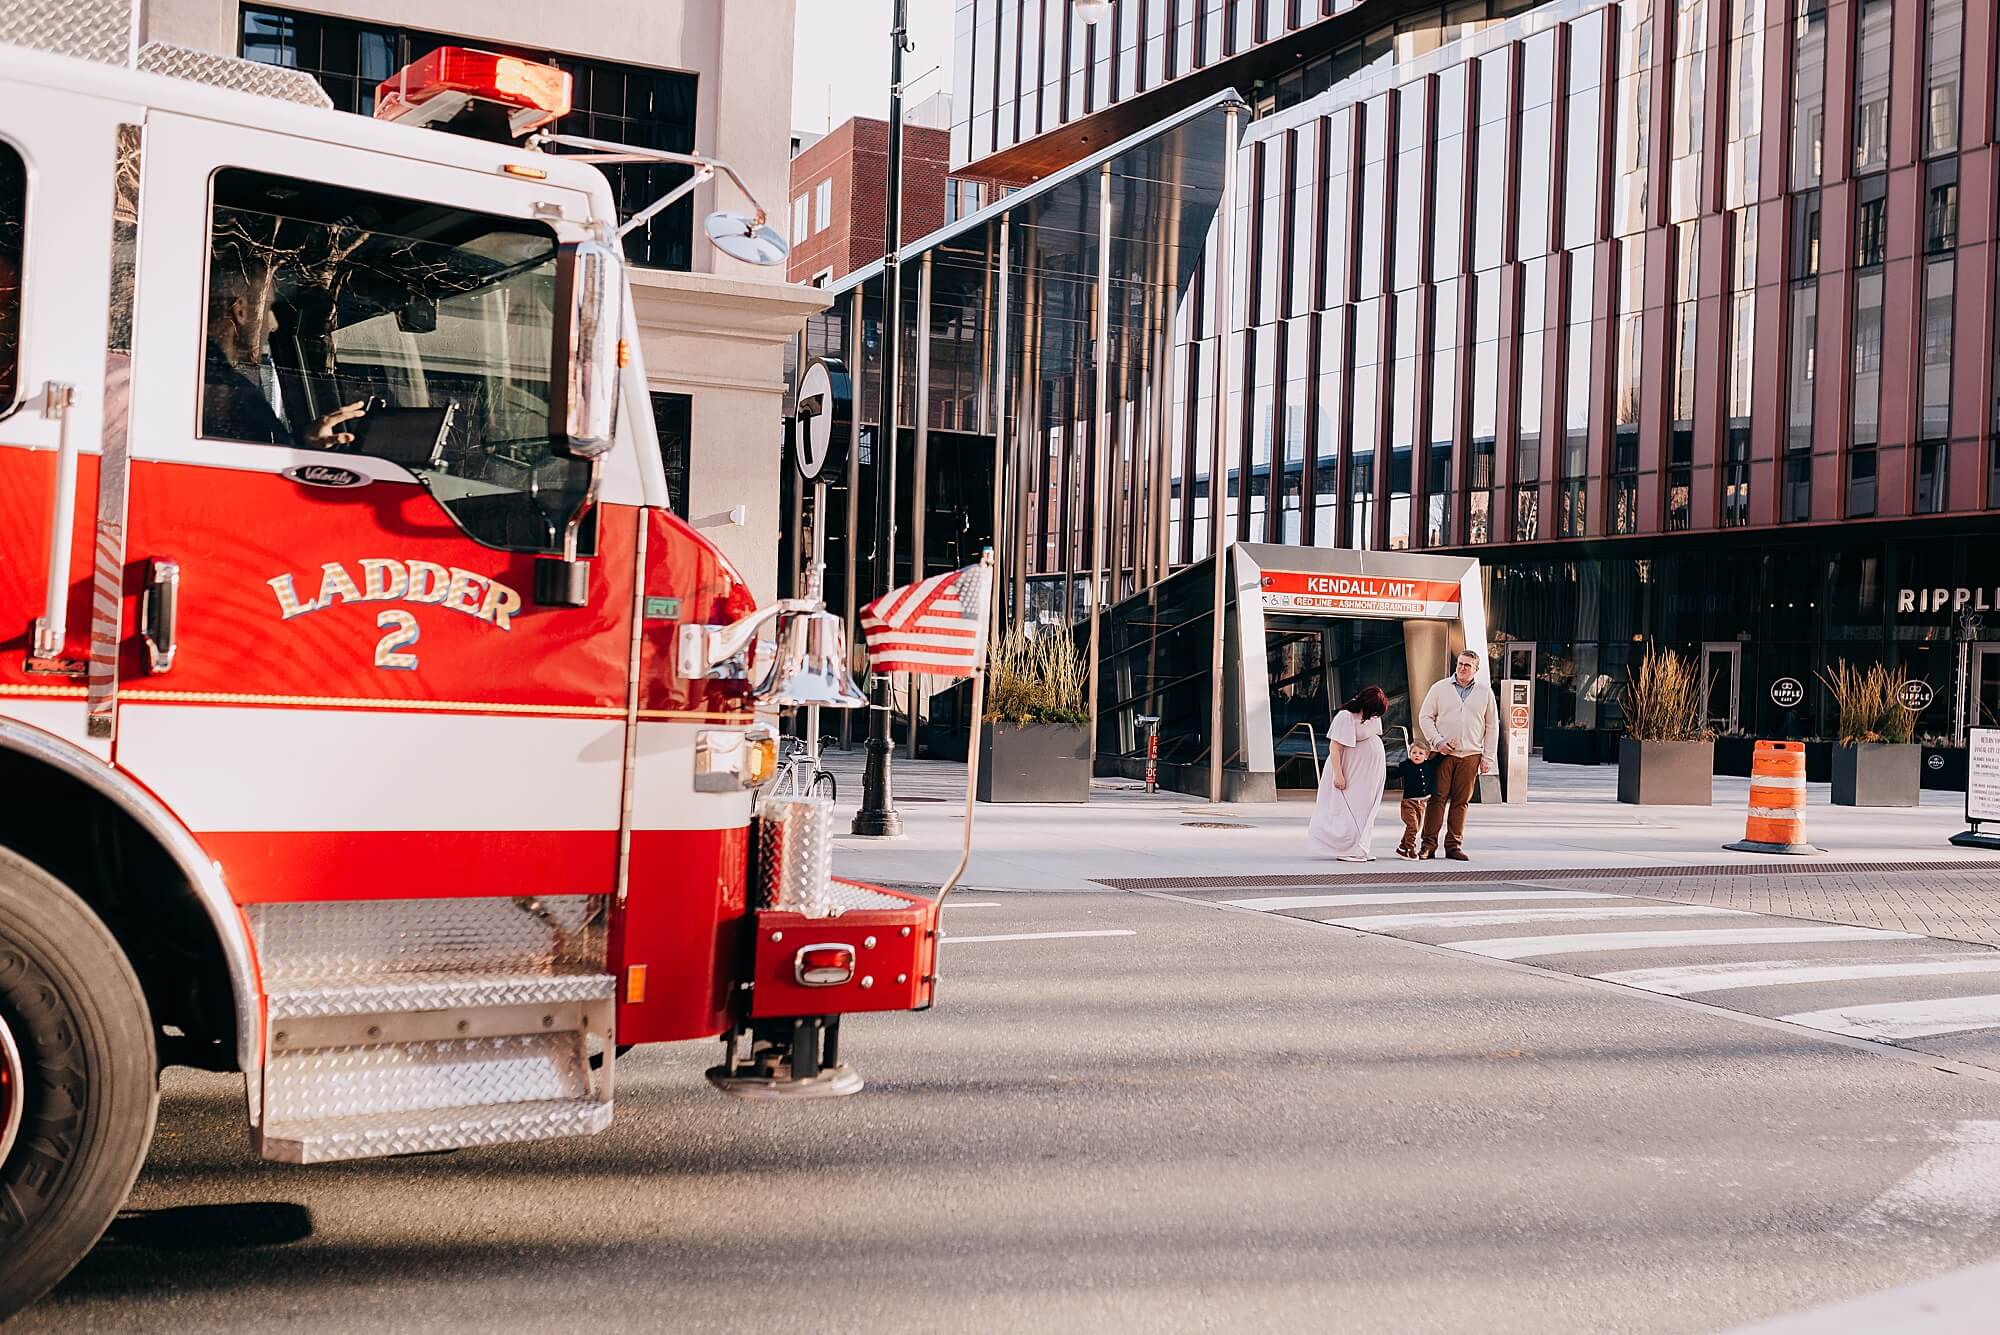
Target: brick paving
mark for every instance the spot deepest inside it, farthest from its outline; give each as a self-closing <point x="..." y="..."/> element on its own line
<point x="1954" y="904"/>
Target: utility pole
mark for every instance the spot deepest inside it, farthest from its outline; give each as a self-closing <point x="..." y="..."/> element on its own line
<point x="878" y="815"/>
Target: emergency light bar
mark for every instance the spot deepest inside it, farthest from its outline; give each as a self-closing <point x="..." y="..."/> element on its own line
<point x="485" y="86"/>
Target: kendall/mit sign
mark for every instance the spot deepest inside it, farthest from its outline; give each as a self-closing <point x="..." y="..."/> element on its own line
<point x="1358" y="595"/>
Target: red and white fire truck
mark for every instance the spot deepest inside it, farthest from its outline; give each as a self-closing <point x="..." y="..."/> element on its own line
<point x="369" y="723"/>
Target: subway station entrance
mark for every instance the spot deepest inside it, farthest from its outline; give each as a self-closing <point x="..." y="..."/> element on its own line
<point x="1303" y="629"/>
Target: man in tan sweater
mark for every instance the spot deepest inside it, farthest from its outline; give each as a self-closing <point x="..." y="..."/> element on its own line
<point x="1461" y="721"/>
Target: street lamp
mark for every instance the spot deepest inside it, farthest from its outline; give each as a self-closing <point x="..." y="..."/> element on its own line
<point x="877" y="815"/>
<point x="1090" y="11"/>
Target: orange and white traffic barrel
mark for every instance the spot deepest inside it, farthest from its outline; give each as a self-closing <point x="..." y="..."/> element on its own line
<point x="1777" y="820"/>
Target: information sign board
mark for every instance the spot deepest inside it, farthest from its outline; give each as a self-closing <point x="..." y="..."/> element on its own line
<point x="1982" y="776"/>
<point x="1517" y="707"/>
<point x="1358" y="595"/>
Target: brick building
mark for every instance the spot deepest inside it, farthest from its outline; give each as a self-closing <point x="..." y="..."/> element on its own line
<point x="839" y="183"/>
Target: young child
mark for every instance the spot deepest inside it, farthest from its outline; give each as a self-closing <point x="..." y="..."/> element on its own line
<point x="1419" y="774"/>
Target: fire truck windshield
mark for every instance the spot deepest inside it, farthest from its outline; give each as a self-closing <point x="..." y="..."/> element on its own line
<point x="399" y="328"/>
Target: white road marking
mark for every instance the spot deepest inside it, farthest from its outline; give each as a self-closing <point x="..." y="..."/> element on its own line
<point x="1889" y="1021"/>
<point x="1278" y="903"/>
<point x="1955" y="1190"/>
<point x="1033" y="936"/>
<point x="972" y="904"/>
<point x="1505" y="917"/>
<point x="1579" y="943"/>
<point x="1782" y="973"/>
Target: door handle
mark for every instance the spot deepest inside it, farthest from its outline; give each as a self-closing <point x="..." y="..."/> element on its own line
<point x="159" y="609"/>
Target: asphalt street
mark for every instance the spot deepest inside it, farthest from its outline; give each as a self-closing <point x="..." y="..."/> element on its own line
<point x="1219" y="1118"/>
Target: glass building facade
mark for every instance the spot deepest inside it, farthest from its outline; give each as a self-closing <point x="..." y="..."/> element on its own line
<point x="1678" y="314"/>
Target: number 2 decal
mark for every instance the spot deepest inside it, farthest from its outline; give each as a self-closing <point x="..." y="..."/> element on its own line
<point x="402" y="628"/>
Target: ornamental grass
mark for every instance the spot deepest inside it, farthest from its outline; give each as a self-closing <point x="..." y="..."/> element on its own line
<point x="1665" y="698"/>
<point x="1868" y="703"/>
<point x="1035" y="679"/>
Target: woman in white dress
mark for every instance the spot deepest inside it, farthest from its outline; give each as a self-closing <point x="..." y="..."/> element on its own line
<point x="1351" y="786"/>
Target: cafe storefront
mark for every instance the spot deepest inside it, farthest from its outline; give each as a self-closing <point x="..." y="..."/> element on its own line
<point x="1757" y="612"/>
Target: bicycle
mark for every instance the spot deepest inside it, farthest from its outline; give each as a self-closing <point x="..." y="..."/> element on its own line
<point x="793" y="779"/>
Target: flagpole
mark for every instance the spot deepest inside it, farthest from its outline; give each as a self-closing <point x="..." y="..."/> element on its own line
<point x="972" y="738"/>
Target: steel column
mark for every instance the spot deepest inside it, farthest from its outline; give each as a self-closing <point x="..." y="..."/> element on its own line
<point x="1218" y="469"/>
<point x="1101" y="512"/>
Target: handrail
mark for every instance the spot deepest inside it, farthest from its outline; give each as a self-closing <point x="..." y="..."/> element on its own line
<point x="1311" y="741"/>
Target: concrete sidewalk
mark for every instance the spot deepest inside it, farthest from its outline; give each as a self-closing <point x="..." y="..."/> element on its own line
<point x="1572" y="821"/>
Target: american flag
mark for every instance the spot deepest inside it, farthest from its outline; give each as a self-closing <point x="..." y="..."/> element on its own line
<point x="936" y="626"/>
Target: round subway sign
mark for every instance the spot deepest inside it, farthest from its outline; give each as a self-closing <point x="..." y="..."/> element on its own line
<point x="1916" y="696"/>
<point x="1787" y="692"/>
<point x="825" y="420"/>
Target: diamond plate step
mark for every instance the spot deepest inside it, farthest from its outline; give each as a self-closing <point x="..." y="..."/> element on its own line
<point x="399" y="994"/>
<point x="332" y="1139"/>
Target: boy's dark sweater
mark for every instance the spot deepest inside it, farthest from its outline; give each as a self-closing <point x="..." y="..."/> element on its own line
<point x="1418" y="780"/>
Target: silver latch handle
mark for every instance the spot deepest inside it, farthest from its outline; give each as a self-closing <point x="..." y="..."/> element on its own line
<point x="159" y="609"/>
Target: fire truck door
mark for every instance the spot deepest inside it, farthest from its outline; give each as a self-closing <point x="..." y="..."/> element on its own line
<point x="59" y="158"/>
<point x="334" y="665"/>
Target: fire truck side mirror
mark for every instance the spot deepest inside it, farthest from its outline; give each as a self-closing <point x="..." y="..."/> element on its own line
<point x="589" y="339"/>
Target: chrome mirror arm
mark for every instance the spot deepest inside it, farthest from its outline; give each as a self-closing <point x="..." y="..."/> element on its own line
<point x="706" y="650"/>
<point x="604" y="151"/>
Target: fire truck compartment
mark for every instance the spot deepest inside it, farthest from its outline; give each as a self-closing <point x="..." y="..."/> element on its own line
<point x="890" y="940"/>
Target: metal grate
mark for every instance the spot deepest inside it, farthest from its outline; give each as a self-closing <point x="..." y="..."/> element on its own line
<point x="1310" y="880"/>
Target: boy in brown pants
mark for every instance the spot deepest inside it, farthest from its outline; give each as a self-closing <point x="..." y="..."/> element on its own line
<point x="1419" y="774"/>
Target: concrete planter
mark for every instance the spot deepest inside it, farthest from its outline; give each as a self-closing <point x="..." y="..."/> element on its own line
<point x="1570" y="746"/>
<point x="1034" y="762"/>
<point x="1877" y="774"/>
<point x="1666" y="774"/>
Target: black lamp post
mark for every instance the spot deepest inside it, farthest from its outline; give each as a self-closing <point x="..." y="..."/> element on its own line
<point x="877" y="815"/>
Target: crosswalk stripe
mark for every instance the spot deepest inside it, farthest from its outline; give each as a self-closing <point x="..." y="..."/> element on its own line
<point x="1382" y="922"/>
<point x="1889" y="1021"/>
<point x="1782" y="973"/>
<point x="1279" y="903"/>
<point x="1034" y="936"/>
<point x="1578" y="943"/>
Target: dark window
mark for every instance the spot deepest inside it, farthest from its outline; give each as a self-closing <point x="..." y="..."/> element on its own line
<point x="627" y="104"/>
<point x="1941" y="208"/>
<point x="1930" y="477"/>
<point x="440" y="320"/>
<point x="1527" y="513"/>
<point x="673" y="422"/>
<point x="1860" y="483"/>
<point x="13" y="230"/>
<point x="1736" y="478"/>
<point x="1798" y="488"/>
<point x="1805" y="235"/>
<point x="1870" y="232"/>
<point x="1680" y="479"/>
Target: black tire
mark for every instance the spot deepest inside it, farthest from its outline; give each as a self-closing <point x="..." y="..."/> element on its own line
<point x="824" y="786"/>
<point x="79" y="1019"/>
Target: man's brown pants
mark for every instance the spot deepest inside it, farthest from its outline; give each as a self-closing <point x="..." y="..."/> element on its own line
<point x="1457" y="776"/>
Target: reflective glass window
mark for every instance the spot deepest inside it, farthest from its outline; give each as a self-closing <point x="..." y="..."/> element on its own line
<point x="1330" y="427"/>
<point x="1800" y="382"/>
<point x="1444" y="413"/>
<point x="1688" y="112"/>
<point x="1489" y="227"/>
<point x="1373" y="202"/>
<point x="1867" y="359"/>
<point x="1338" y="207"/>
<point x="1871" y="84"/>
<point x="1635" y="116"/>
<point x="1448" y="198"/>
<point x="1584" y="156"/>
<point x="1934" y="412"/>
<point x="1292" y="429"/>
<point x="1809" y="34"/>
<point x="1302" y="234"/>
<point x="1944" y="46"/>
<point x="1741" y="168"/>
<point x="1409" y="232"/>
<point x="1537" y="152"/>
<point x="1941" y="208"/>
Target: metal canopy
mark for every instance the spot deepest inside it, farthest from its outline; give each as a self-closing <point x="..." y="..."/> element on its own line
<point x="1170" y="172"/>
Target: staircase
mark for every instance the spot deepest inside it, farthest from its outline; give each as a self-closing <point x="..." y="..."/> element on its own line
<point x="406" y="1026"/>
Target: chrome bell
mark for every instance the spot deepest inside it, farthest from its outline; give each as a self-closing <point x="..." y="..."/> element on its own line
<point x="810" y="665"/>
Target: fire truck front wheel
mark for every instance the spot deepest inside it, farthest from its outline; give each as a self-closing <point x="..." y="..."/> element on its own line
<point x="78" y="1084"/>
